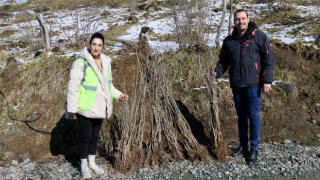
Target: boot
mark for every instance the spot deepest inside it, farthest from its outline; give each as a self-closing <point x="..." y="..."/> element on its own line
<point x="242" y="149"/>
<point x="253" y="157"/>
<point x="98" y="170"/>
<point x="85" y="172"/>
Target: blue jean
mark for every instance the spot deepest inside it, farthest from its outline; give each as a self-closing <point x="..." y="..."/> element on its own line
<point x="247" y="102"/>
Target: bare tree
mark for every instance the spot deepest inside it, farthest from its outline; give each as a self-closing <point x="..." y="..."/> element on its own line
<point x="221" y="24"/>
<point x="286" y="4"/>
<point x="84" y="24"/>
<point x="230" y="17"/>
<point x="133" y="5"/>
<point x="45" y="31"/>
<point x="190" y="23"/>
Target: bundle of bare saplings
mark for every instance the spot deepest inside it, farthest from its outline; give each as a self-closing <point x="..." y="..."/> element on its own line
<point x="151" y="124"/>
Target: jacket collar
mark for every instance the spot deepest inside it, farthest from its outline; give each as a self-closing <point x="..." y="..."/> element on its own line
<point x="252" y="28"/>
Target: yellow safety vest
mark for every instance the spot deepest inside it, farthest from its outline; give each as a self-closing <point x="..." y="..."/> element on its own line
<point x="89" y="86"/>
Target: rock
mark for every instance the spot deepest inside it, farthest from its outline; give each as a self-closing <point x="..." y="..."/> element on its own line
<point x="6" y="164"/>
<point x="144" y="30"/>
<point x="134" y="19"/>
<point x="287" y="87"/>
<point x="287" y="62"/>
<point x="38" y="53"/>
<point x="41" y="9"/>
<point x="287" y="141"/>
<point x="14" y="163"/>
<point x="318" y="135"/>
<point x="11" y="60"/>
<point x="55" y="49"/>
<point x="295" y="165"/>
<point x="105" y="14"/>
<point x="61" y="40"/>
<point x="280" y="154"/>
<point x="7" y="155"/>
<point x="151" y="9"/>
<point x="26" y="161"/>
<point x="142" y="7"/>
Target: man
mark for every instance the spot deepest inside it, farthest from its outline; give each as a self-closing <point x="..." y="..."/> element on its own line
<point x="247" y="54"/>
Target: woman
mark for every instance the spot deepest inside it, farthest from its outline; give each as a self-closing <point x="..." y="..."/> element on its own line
<point x="90" y="93"/>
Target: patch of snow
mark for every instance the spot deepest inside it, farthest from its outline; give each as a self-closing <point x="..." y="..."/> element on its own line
<point x="274" y="82"/>
<point x="160" y="47"/>
<point x="221" y="79"/>
<point x="69" y="54"/>
<point x="49" y="54"/>
<point x="9" y="123"/>
<point x="282" y="33"/>
<point x="12" y="2"/>
<point x="65" y="23"/>
<point x="201" y="87"/>
<point x="309" y="11"/>
<point x="16" y="107"/>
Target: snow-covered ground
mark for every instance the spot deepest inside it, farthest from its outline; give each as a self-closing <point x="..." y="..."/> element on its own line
<point x="11" y="2"/>
<point x="85" y="19"/>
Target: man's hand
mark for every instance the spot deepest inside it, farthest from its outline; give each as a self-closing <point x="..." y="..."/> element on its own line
<point x="266" y="88"/>
<point x="207" y="75"/>
<point x="72" y="116"/>
<point x="123" y="97"/>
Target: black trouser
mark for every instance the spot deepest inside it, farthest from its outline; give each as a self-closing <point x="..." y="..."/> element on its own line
<point x="89" y="135"/>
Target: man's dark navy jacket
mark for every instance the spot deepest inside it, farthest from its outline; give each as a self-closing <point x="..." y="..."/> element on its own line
<point x="249" y="58"/>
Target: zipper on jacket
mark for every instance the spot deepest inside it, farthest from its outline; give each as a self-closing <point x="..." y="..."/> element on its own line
<point x="244" y="46"/>
<point x="257" y="72"/>
<point x="240" y="63"/>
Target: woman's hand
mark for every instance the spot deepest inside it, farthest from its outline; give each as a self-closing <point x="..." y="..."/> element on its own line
<point x="123" y="97"/>
<point x="72" y="116"/>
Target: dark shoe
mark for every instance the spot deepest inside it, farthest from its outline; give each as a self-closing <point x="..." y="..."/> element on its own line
<point x="242" y="149"/>
<point x="253" y="157"/>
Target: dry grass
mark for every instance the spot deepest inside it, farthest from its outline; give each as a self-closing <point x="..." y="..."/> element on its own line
<point x="292" y="17"/>
<point x="39" y="87"/>
<point x="25" y="17"/>
<point x="115" y="31"/>
<point x="309" y="29"/>
<point x="7" y="33"/>
<point x="300" y="49"/>
<point x="45" y="79"/>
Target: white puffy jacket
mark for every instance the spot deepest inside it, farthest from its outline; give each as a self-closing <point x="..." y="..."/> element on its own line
<point x="103" y="99"/>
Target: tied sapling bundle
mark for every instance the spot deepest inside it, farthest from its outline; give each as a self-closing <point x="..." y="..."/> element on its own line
<point x="217" y="147"/>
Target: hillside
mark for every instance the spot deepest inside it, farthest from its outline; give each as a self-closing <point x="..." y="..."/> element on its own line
<point x="37" y="79"/>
